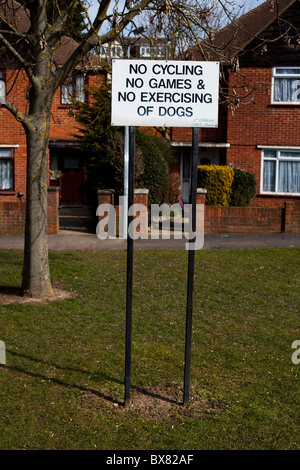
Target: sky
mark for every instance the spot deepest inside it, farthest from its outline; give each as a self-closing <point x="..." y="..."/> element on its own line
<point x="248" y="5"/>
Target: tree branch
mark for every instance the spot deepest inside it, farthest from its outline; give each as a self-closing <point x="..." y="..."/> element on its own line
<point x="14" y="52"/>
<point x="92" y="37"/>
<point x="19" y="116"/>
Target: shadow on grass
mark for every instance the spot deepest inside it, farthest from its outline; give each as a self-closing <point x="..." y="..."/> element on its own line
<point x="60" y="382"/>
<point x="158" y="396"/>
<point x="10" y="290"/>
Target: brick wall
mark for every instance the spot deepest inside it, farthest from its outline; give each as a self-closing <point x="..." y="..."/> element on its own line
<point x="292" y="217"/>
<point x="63" y="126"/>
<point x="12" y="215"/>
<point x="259" y="122"/>
<point x="219" y="219"/>
<point x="243" y="219"/>
<point x="106" y="196"/>
<point x="53" y="211"/>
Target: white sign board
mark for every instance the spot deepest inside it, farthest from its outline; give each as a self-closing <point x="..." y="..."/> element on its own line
<point x="165" y="93"/>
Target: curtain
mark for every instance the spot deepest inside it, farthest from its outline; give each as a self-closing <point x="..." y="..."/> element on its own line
<point x="269" y="176"/>
<point x="289" y="177"/>
<point x="287" y="90"/>
<point x="67" y="90"/>
<point x="6" y="174"/>
<point x="80" y="92"/>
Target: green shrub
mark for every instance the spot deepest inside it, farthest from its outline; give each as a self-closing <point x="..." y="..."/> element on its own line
<point x="217" y="181"/>
<point x="155" y="176"/>
<point x="243" y="188"/>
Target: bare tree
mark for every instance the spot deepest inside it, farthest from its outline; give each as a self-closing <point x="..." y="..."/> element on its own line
<point x="33" y="45"/>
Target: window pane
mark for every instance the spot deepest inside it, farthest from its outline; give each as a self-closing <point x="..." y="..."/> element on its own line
<point x="6" y="174"/>
<point x="67" y="91"/>
<point x="5" y="154"/>
<point x="286" y="90"/>
<point x="80" y="92"/>
<point x="289" y="154"/>
<point x="293" y="71"/>
<point x="269" y="154"/>
<point x="269" y="176"/>
<point x="71" y="163"/>
<point x="289" y="177"/>
<point x="2" y="89"/>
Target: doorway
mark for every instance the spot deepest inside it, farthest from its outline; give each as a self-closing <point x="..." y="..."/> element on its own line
<point x="67" y="164"/>
<point x="210" y="155"/>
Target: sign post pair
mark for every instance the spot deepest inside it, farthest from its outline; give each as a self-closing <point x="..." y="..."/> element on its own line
<point x="163" y="93"/>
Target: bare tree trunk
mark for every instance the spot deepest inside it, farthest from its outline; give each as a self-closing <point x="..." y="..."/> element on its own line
<point x="36" y="276"/>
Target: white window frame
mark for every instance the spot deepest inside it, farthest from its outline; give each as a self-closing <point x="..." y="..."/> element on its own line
<point x="8" y="158"/>
<point x="104" y="52"/>
<point x="2" y="85"/>
<point x="147" y="51"/>
<point x="278" y="158"/>
<point x="287" y="76"/>
<point x="159" y="51"/>
<point x="116" y="51"/>
<point x="76" y="89"/>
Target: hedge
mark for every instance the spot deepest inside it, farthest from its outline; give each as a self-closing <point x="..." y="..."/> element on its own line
<point x="217" y="180"/>
<point x="243" y="188"/>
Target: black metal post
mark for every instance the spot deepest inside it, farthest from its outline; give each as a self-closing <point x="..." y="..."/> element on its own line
<point x="191" y="264"/>
<point x="129" y="269"/>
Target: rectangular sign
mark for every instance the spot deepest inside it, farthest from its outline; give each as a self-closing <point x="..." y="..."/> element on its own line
<point x="164" y="93"/>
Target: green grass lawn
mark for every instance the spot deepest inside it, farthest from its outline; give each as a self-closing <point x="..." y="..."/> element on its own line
<point x="62" y="386"/>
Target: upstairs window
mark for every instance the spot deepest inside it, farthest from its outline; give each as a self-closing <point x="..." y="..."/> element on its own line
<point x="145" y="51"/>
<point x="6" y="169"/>
<point x="116" y="52"/>
<point x="104" y="52"/>
<point x="2" y="85"/>
<point x="159" y="51"/>
<point x="73" y="88"/>
<point x="286" y="85"/>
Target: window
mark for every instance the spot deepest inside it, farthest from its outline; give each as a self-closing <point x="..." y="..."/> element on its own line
<point x="2" y="85"/>
<point x="145" y="51"/>
<point x="159" y="51"/>
<point x="116" y="51"/>
<point x="6" y="169"/>
<point x="104" y="52"/>
<point x="280" y="171"/>
<point x="286" y="85"/>
<point x="73" y="88"/>
<point x="71" y="163"/>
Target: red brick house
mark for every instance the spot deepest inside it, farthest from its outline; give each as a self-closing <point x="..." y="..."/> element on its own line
<point x="259" y="118"/>
<point x="64" y="155"/>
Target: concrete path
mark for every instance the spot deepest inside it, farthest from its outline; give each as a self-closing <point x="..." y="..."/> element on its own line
<point x="71" y="240"/>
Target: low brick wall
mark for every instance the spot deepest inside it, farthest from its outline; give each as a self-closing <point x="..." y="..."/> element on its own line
<point x="12" y="215"/>
<point x="106" y="196"/>
<point x="243" y="219"/>
<point x="53" y="211"/>
<point x="292" y="217"/>
<point x="233" y="219"/>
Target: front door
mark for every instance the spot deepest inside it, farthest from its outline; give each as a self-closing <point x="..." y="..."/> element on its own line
<point x="186" y="175"/>
<point x="68" y="163"/>
<point x="72" y="180"/>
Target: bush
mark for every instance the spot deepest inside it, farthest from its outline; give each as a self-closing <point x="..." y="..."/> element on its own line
<point x="217" y="181"/>
<point x="155" y="176"/>
<point x="243" y="188"/>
